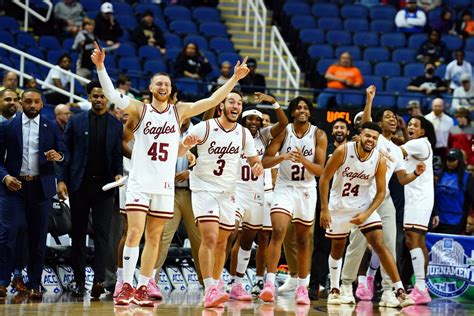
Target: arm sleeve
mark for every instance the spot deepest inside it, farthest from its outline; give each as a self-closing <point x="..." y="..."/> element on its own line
<point x="120" y="100"/>
<point x="400" y="20"/>
<point x="249" y="149"/>
<point x="417" y="148"/>
<point x="420" y="19"/>
<point x="3" y="145"/>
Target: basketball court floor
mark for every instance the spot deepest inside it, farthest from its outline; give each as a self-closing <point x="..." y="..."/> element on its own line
<point x="188" y="303"/>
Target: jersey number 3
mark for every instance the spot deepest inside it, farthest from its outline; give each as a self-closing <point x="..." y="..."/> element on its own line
<point x="160" y="153"/>
<point x="348" y="190"/>
<point x="220" y="167"/>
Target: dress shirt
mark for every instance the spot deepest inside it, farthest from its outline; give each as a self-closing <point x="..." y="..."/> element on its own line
<point x="442" y="126"/>
<point x="30" y="130"/>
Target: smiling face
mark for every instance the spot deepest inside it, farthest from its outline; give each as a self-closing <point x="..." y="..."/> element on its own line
<point x="160" y="87"/>
<point x="253" y="123"/>
<point x="340" y="132"/>
<point x="301" y="114"/>
<point x="98" y="100"/>
<point x="232" y="107"/>
<point x="368" y="139"/>
<point x="414" y="129"/>
<point x="389" y="121"/>
<point x="266" y="120"/>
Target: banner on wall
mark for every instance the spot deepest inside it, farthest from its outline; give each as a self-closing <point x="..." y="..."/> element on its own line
<point x="451" y="266"/>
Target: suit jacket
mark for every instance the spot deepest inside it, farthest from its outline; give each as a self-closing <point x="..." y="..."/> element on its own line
<point x="11" y="151"/>
<point x="76" y="137"/>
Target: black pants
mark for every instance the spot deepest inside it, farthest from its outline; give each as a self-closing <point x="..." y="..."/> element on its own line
<point x="90" y="197"/>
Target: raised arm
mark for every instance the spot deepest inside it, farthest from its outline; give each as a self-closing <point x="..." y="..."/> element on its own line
<point x="404" y="178"/>
<point x="367" y="114"/>
<point x="281" y="116"/>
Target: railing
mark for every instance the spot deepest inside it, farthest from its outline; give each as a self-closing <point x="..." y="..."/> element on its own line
<point x="26" y="6"/>
<point x="22" y="75"/>
<point x="285" y="62"/>
<point x="259" y="11"/>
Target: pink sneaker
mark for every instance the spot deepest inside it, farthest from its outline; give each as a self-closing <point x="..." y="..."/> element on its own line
<point x="370" y="285"/>
<point x="268" y="293"/>
<point x="363" y="293"/>
<point x="238" y="293"/>
<point x="214" y="298"/>
<point x="118" y="288"/>
<point x="420" y="297"/>
<point x="301" y="295"/>
<point x="154" y="290"/>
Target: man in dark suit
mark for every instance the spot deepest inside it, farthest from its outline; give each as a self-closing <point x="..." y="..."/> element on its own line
<point x="94" y="140"/>
<point x="29" y="146"/>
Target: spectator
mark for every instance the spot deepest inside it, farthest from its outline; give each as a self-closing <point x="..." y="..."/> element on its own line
<point x="413" y="108"/>
<point x="31" y="83"/>
<point x="432" y="50"/>
<point x="58" y="79"/>
<point x="254" y="82"/>
<point x="28" y="184"/>
<point x="9" y="103"/>
<point x="62" y="113"/>
<point x="226" y="73"/>
<point x="191" y="63"/>
<point x="453" y="195"/>
<point x="69" y="15"/>
<point x="145" y="97"/>
<point x="462" y="134"/>
<point x="124" y="85"/>
<point x="455" y="69"/>
<point x="465" y="26"/>
<point x="442" y="124"/>
<point x="94" y="139"/>
<point x="266" y="118"/>
<point x="428" y="5"/>
<point x="445" y="23"/>
<point x="464" y="95"/>
<point x="148" y="33"/>
<point x="84" y="44"/>
<point x="410" y="19"/>
<point x="10" y="81"/>
<point x="107" y="28"/>
<point x="429" y="83"/>
<point x="344" y="74"/>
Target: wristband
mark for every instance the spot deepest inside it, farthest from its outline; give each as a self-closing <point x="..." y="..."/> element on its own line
<point x="276" y="106"/>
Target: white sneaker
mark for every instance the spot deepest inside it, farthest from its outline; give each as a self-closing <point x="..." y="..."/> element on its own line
<point x="289" y="285"/>
<point x="389" y="299"/>
<point x="334" y="297"/>
<point x="346" y="297"/>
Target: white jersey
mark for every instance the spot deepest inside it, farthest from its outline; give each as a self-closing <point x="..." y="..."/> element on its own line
<point x="353" y="179"/>
<point x="247" y="181"/>
<point x="155" y="151"/>
<point x="294" y="173"/>
<point x="219" y="153"/>
<point x="419" y="194"/>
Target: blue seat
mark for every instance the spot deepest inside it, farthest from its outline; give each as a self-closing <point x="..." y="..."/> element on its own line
<point x="353" y="50"/>
<point x="7" y="38"/>
<point x="320" y="10"/>
<point x="52" y="56"/>
<point x="206" y="14"/>
<point x="435" y="14"/>
<point x="211" y="57"/>
<point x="7" y="23"/>
<point x="415" y="40"/>
<point x="153" y="66"/>
<point x="128" y="22"/>
<point x="469" y="56"/>
<point x="324" y="63"/>
<point x="126" y="50"/>
<point x="321" y="51"/>
<point x="354" y="11"/>
<point x="384" y="100"/>
<point x="177" y="12"/>
<point x="414" y="70"/>
<point x="49" y="42"/>
<point x="25" y="40"/>
<point x="67" y="43"/>
<point x="213" y="29"/>
<point x="351" y="98"/>
<point x="440" y="70"/>
<point x="153" y="8"/>
<point x="172" y="53"/>
<point x="130" y="64"/>
<point x="183" y="27"/>
<point x="397" y="84"/>
<point x="148" y="52"/>
<point x="222" y="45"/>
<point x="366" y="39"/>
<point x="88" y="5"/>
<point x="393" y="40"/>
<point x="92" y="13"/>
<point x="458" y="4"/>
<point x="364" y="66"/>
<point x="189" y="87"/>
<point x="330" y="24"/>
<point x="38" y="53"/>
<point x="230" y="57"/>
<point x="404" y="55"/>
<point x="382" y="26"/>
<point x="290" y="9"/>
<point x="383" y="12"/>
<point x="469" y="44"/>
<point x="299" y="22"/>
<point x="173" y="41"/>
<point x="376" y="54"/>
<point x="339" y="38"/>
<point x="356" y="25"/>
<point x="387" y="69"/>
<point x="312" y="36"/>
<point x="452" y="42"/>
<point x="122" y="8"/>
<point x="377" y="81"/>
<point x="199" y="40"/>
<point x="402" y="100"/>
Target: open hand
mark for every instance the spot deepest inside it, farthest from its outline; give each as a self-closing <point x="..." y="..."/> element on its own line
<point x="262" y="97"/>
<point x="12" y="183"/>
<point x="325" y="220"/>
<point x="98" y="55"/>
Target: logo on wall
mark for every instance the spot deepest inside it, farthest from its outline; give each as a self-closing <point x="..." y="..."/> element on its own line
<point x="450" y="270"/>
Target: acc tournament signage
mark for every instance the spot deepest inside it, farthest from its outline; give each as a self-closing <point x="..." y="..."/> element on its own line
<point x="451" y="266"/>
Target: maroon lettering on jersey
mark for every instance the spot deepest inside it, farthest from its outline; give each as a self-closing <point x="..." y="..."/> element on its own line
<point x="353" y="175"/>
<point x="221" y="151"/>
<point x="259" y="153"/>
<point x="158" y="130"/>
<point x="305" y="151"/>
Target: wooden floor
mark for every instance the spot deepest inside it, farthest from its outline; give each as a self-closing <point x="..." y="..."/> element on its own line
<point x="188" y="303"/>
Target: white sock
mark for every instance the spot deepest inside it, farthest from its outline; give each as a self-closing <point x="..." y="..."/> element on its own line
<point x="232" y="278"/>
<point x="216" y="281"/>
<point x="362" y="279"/>
<point x="271" y="277"/>
<point x="374" y="264"/>
<point x="130" y="258"/>
<point x="335" y="271"/>
<point x="208" y="282"/>
<point x="418" y="261"/>
<point x="153" y="274"/>
<point x="259" y="278"/>
<point x="119" y="274"/>
<point x="243" y="258"/>
<point x="398" y="285"/>
<point x="238" y="280"/>
<point x="142" y="280"/>
<point x="303" y="281"/>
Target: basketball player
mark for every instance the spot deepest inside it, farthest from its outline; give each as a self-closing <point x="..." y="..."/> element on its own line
<point x="302" y="153"/>
<point x="419" y="200"/>
<point x="150" y="193"/>
<point x="222" y="141"/>
<point x="355" y="166"/>
<point x="387" y="121"/>
<point x="250" y="194"/>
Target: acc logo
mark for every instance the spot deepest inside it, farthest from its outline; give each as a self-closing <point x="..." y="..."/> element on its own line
<point x="449" y="274"/>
